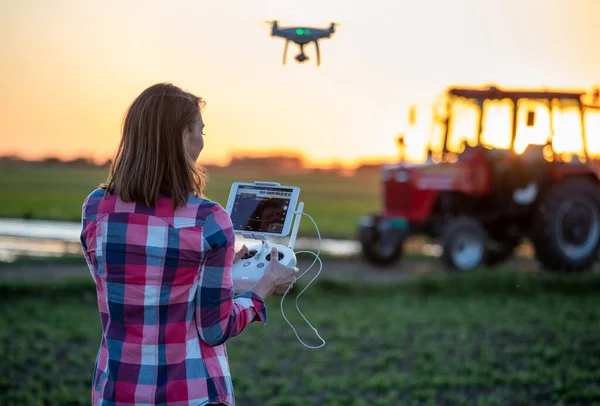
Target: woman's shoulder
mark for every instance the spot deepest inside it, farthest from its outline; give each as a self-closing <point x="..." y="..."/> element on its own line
<point x="217" y="228"/>
<point x="203" y="210"/>
<point x="91" y="203"/>
<point x="198" y="210"/>
<point x="96" y="194"/>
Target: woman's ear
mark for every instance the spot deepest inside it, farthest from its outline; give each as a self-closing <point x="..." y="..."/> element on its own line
<point x="186" y="133"/>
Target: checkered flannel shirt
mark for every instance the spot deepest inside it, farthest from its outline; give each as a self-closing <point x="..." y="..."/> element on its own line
<point x="166" y="301"/>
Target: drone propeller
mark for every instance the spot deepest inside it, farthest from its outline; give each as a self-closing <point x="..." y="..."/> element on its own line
<point x="335" y="24"/>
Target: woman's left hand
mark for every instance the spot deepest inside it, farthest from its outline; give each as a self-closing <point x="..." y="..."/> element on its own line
<point x="238" y="255"/>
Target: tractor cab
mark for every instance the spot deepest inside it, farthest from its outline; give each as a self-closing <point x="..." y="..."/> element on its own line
<point x="493" y="157"/>
<point x="533" y="125"/>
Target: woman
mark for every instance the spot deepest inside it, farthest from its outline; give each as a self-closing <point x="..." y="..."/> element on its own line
<point x="161" y="256"/>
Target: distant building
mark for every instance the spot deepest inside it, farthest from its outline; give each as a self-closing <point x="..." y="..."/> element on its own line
<point x="288" y="164"/>
<point x="369" y="168"/>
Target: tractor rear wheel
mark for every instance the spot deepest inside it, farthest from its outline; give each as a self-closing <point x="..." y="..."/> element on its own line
<point x="566" y="233"/>
<point x="464" y="243"/>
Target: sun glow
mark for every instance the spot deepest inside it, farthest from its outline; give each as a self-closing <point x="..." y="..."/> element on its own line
<point x="536" y="134"/>
<point x="592" y="129"/>
<point x="497" y="123"/>
<point x="568" y="139"/>
<point x="463" y="126"/>
<point x="562" y="124"/>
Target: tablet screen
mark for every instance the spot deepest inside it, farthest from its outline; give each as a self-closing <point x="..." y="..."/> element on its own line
<point x="261" y="209"/>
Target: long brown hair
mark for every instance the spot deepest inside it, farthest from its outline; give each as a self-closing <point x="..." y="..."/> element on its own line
<point x="151" y="159"/>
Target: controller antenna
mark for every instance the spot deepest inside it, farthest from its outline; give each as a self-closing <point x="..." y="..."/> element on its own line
<point x="294" y="234"/>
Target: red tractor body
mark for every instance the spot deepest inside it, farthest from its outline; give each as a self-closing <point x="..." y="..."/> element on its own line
<point x="495" y="194"/>
<point x="410" y="192"/>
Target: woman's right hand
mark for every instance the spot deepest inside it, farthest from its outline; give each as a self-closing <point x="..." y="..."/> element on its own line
<point x="281" y="276"/>
<point x="276" y="279"/>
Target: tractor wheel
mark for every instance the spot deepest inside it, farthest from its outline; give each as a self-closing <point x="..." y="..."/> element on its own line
<point x="464" y="243"/>
<point x="566" y="233"/>
<point x="376" y="251"/>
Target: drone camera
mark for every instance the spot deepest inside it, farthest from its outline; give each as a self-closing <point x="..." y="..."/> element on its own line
<point x="301" y="57"/>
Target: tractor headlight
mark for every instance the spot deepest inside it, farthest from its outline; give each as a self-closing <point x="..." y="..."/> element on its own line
<point x="385" y="174"/>
<point x="401" y="176"/>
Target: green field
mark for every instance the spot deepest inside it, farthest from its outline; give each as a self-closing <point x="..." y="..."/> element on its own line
<point x="492" y="338"/>
<point x="57" y="192"/>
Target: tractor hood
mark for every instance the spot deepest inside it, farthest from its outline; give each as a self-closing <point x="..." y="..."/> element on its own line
<point x="402" y="170"/>
<point x="410" y="191"/>
<point x="433" y="176"/>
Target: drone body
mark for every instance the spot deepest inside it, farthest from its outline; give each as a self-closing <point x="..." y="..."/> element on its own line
<point x="302" y="36"/>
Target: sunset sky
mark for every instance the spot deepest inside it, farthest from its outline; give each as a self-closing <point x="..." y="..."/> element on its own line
<point x="70" y="68"/>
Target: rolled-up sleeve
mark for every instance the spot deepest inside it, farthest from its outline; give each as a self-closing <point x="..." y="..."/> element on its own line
<point x="219" y="313"/>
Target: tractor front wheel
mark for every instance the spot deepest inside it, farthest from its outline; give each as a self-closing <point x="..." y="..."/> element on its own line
<point x="464" y="242"/>
<point x="379" y="253"/>
<point x="377" y="249"/>
<point x="566" y="233"/>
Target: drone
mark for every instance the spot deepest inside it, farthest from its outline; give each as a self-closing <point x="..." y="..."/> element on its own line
<point x="301" y="36"/>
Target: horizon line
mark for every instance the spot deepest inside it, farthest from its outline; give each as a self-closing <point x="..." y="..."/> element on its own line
<point x="304" y="163"/>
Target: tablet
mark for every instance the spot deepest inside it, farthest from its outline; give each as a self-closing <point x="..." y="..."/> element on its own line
<point x="265" y="208"/>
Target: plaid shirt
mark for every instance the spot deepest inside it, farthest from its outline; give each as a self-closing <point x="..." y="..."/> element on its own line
<point x="166" y="301"/>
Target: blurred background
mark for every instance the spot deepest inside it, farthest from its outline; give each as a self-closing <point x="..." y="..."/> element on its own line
<point x="411" y="332"/>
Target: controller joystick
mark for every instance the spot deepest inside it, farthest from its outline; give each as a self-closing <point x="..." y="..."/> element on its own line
<point x="279" y="256"/>
<point x="249" y="254"/>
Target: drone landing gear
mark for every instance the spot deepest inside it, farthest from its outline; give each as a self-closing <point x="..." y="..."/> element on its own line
<point x="301" y="57"/>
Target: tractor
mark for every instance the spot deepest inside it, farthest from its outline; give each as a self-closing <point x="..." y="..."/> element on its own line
<point x="503" y="166"/>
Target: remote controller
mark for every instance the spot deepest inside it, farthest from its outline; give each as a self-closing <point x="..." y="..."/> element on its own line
<point x="250" y="268"/>
<point x="260" y="210"/>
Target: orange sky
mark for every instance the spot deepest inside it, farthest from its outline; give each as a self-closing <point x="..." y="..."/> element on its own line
<point x="71" y="67"/>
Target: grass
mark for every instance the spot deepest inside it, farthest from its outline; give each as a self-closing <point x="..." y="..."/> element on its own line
<point x="57" y="192"/>
<point x="26" y="260"/>
<point x="492" y="338"/>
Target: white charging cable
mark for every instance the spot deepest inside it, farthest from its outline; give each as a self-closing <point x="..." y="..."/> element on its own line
<point x="317" y="258"/>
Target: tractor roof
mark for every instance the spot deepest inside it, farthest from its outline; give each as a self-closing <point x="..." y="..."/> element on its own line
<point x="493" y="92"/>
